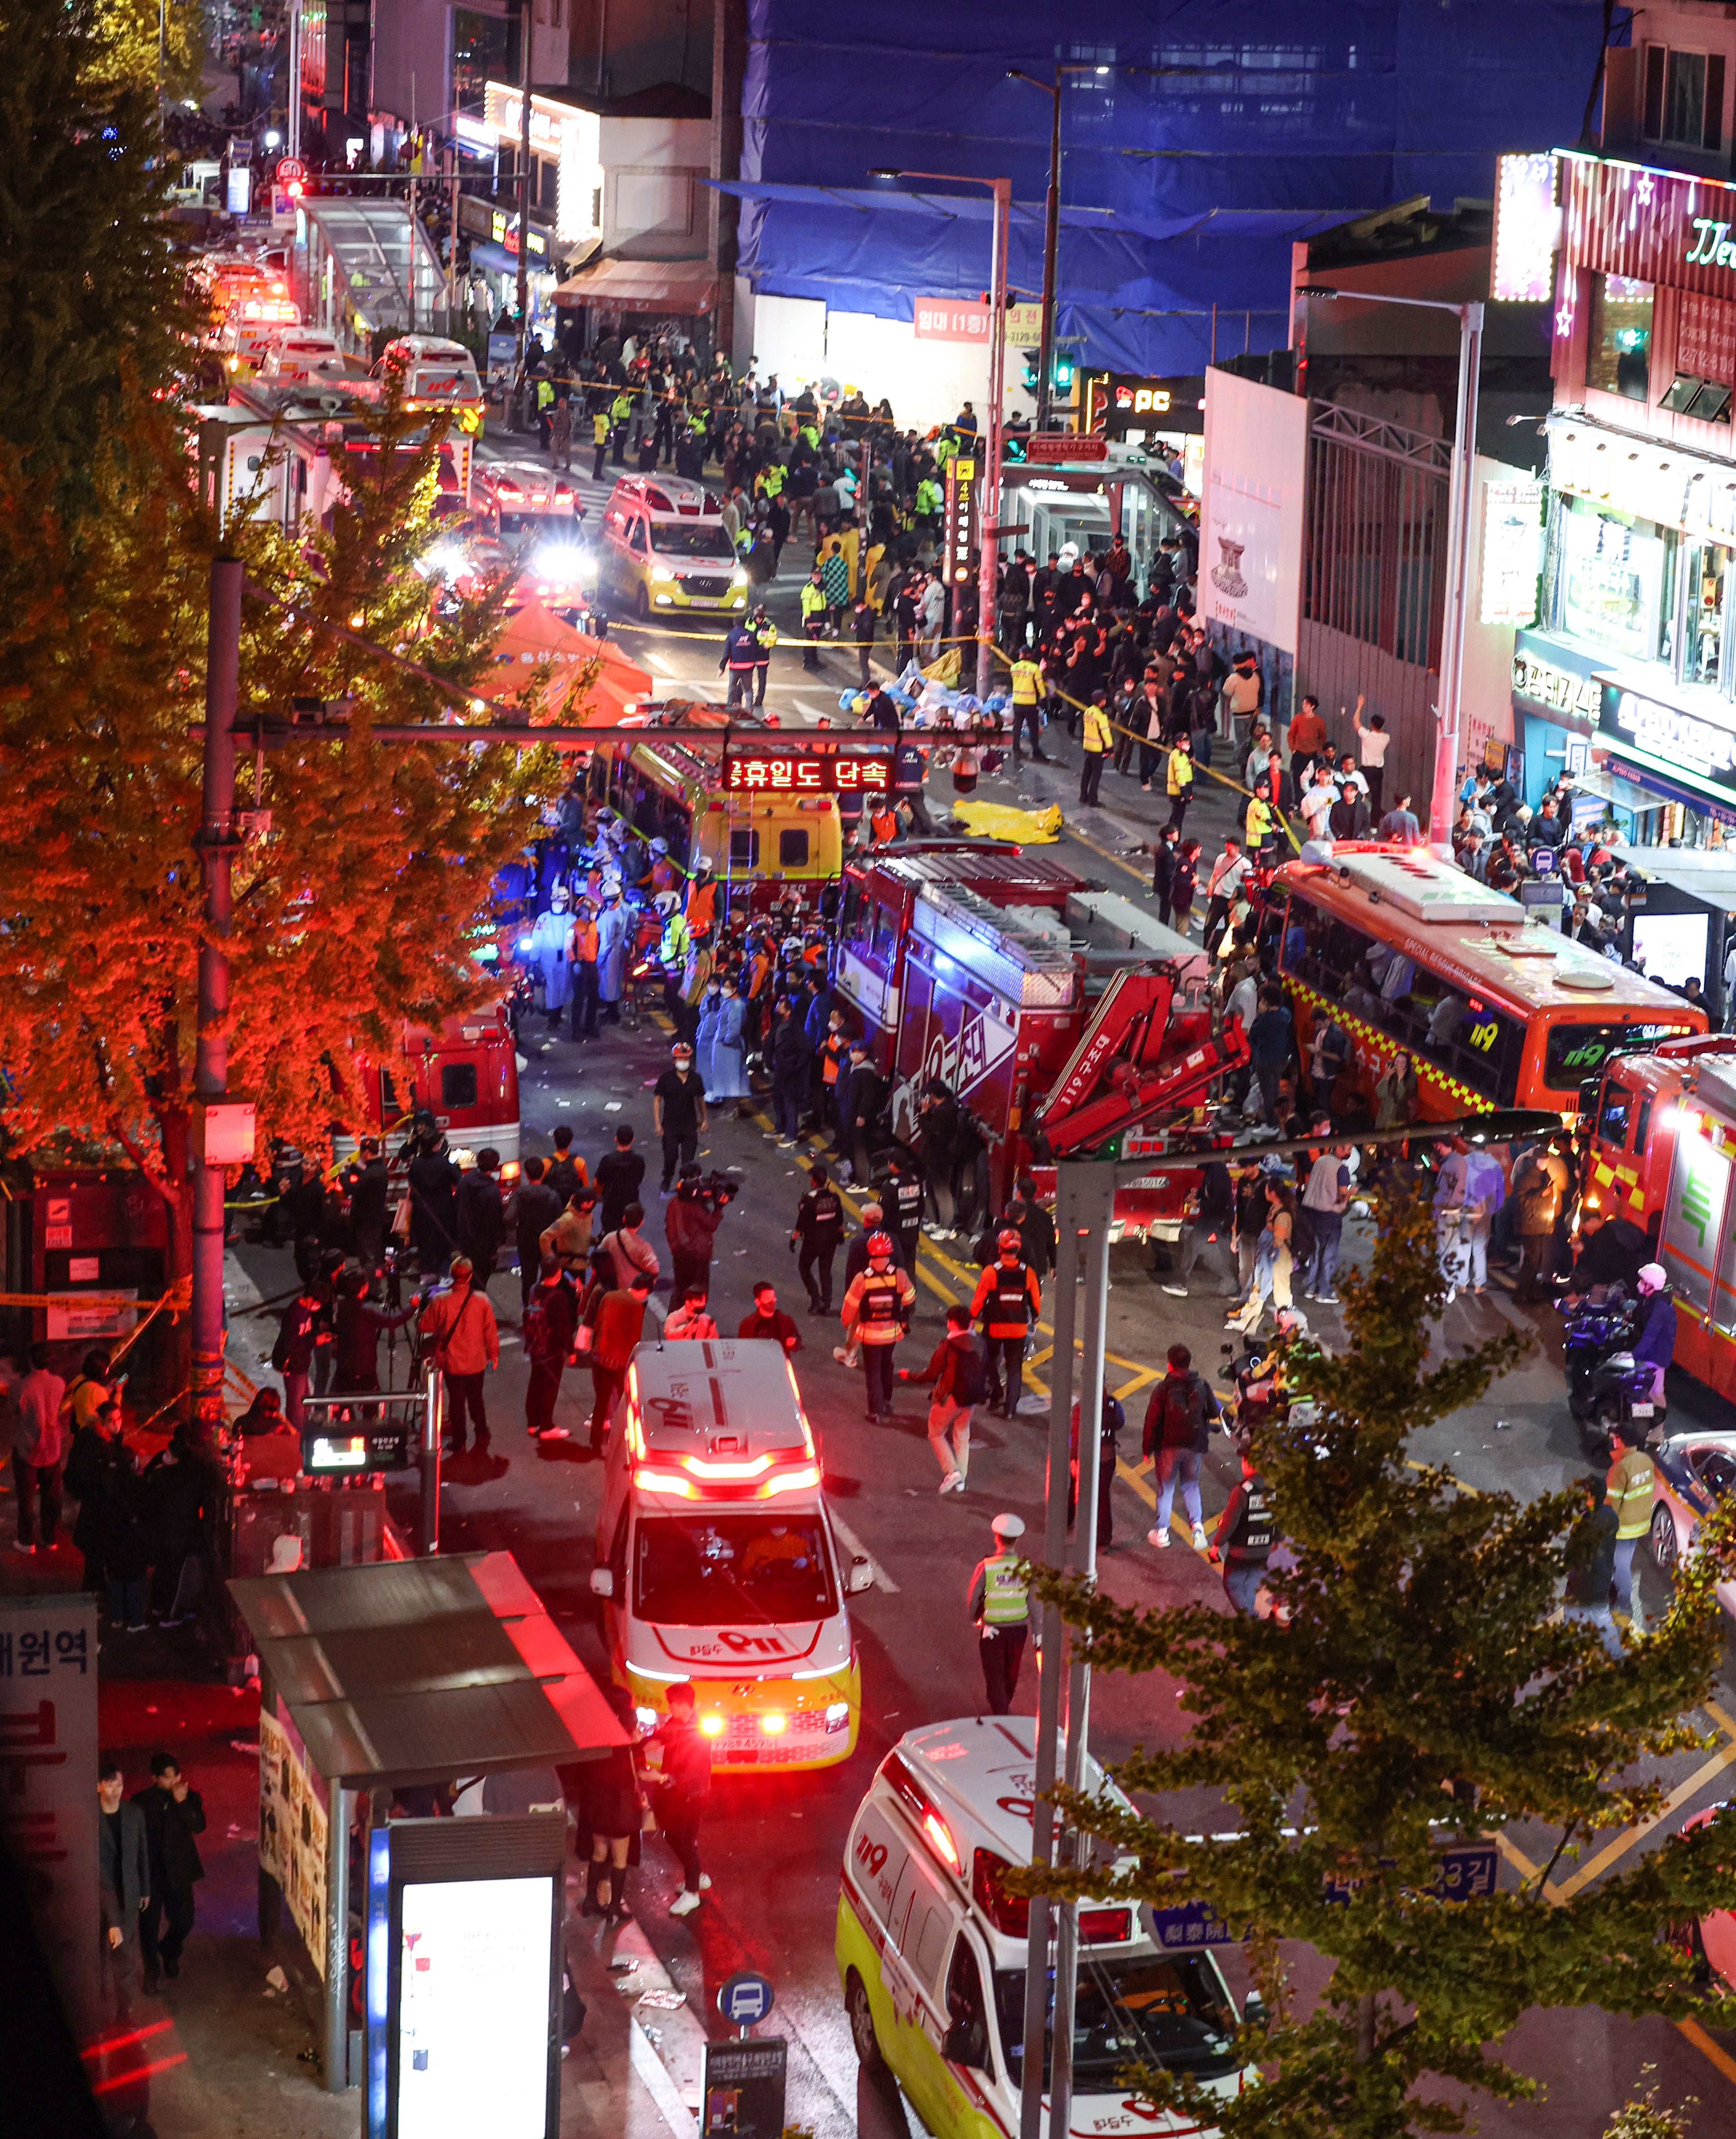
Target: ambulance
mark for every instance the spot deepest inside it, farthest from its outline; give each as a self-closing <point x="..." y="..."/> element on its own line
<point x="930" y="1949"/>
<point x="715" y="1560"/>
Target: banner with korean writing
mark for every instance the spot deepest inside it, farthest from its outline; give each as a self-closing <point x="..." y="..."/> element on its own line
<point x="825" y="772"/>
<point x="292" y="1829"/>
<point x="951" y="318"/>
<point x="48" y="1782"/>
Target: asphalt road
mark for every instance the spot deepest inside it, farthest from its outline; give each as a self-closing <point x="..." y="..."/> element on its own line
<point x="773" y="1843"/>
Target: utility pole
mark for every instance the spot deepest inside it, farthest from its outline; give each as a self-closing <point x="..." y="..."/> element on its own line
<point x="1084" y="1205"/>
<point x="294" y="127"/>
<point x="1051" y="235"/>
<point x="216" y="843"/>
<point x="525" y="36"/>
<point x="988" y="488"/>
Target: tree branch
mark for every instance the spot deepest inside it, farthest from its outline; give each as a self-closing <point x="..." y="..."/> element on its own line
<point x="171" y="1195"/>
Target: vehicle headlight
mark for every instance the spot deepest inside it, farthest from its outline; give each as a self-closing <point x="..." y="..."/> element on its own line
<point x="662" y="572"/>
<point x="739" y="579"/>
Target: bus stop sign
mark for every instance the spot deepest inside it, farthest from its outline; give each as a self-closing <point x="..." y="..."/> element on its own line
<point x="744" y="1998"/>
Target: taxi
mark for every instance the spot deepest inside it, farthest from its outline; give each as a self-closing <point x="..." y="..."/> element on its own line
<point x="930" y="1949"/>
<point x="717" y="1564"/>
<point x="1691" y="1472"/>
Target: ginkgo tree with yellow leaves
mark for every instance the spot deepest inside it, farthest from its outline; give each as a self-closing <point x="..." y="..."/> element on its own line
<point x="363" y="906"/>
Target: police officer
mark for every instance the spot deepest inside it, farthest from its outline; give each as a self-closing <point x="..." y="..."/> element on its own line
<point x="902" y="1193"/>
<point x="1243" y="1539"/>
<point x="818" y="1229"/>
<point x="1001" y="1604"/>
<point x="814" y="618"/>
<point x="765" y="638"/>
<point x="1008" y="1300"/>
<point x="1029" y="684"/>
<point x="741" y="657"/>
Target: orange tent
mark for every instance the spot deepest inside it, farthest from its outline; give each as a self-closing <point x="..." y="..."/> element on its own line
<point x="534" y="634"/>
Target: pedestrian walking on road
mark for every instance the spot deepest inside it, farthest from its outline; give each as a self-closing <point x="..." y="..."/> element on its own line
<point x="1177" y="1428"/>
<point x="877" y="1305"/>
<point x="999" y="1602"/>
<point x="677" y="1111"/>
<point x="683" y="1781"/>
<point x="628" y="1250"/>
<point x="532" y="1209"/>
<point x="459" y="1337"/>
<point x="550" y="1320"/>
<point x="480" y="1223"/>
<point x="1243" y="1541"/>
<point x="618" y="1174"/>
<point x="958" y="1372"/>
<point x="819" y="1228"/>
<point x="690" y="1225"/>
<point x="173" y="1815"/>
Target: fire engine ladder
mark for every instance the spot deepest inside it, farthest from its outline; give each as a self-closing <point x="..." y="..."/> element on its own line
<point x="1118" y="1074"/>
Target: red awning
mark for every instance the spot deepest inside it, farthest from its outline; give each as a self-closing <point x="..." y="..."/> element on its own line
<point x="684" y="286"/>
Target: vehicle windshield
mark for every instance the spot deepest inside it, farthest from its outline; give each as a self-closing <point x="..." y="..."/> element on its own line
<point x="556" y="519"/>
<point x="731" y="1570"/>
<point x="676" y="538"/>
<point x="1576" y="1052"/>
<point x="1167" y="2009"/>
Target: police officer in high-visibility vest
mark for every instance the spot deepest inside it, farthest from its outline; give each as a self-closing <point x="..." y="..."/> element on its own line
<point x="814" y="617"/>
<point x="879" y="1302"/>
<point x="545" y="409"/>
<point x="1097" y="737"/>
<point x="620" y="415"/>
<point x="1628" y="1489"/>
<point x="1260" y="823"/>
<point x="1001" y="1604"/>
<point x="1243" y="1539"/>
<point x="1009" y="1300"/>
<point x="741" y="656"/>
<point x="765" y="638"/>
<point x="1029" y="686"/>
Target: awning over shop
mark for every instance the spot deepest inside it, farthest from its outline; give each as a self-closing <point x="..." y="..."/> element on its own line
<point x="594" y="673"/>
<point x="686" y="287"/>
<point x="1686" y="789"/>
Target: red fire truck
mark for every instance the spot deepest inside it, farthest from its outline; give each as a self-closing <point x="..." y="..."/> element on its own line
<point x="1063" y="1016"/>
<point x="1662" y="1153"/>
<point x="467" y="1078"/>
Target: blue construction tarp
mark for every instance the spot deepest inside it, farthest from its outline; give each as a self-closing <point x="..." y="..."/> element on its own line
<point x="1206" y="137"/>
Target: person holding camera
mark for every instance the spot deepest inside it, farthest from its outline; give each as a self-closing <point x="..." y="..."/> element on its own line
<point x="690" y="1224"/>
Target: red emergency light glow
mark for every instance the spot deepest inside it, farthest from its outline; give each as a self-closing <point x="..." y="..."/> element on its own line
<point x="665" y="1481"/>
<point x="940" y="1836"/>
<point x="804" y="1480"/>
<point x="774" y="1725"/>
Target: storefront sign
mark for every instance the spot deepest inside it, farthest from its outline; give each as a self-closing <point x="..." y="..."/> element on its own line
<point x="1557" y="689"/>
<point x="1116" y="403"/>
<point x="1513" y="551"/>
<point x="951" y="318"/>
<point x="1681" y="741"/>
<point x="840" y="772"/>
<point x="1651" y="226"/>
<point x="503" y="229"/>
<point x="1250" y="547"/>
<point x="1528" y="229"/>
<point x="549" y="122"/>
<point x="1706" y="337"/>
<point x="1644" y="479"/>
<point x="1056" y="448"/>
<point x="958" y="527"/>
<point x="48" y="1810"/>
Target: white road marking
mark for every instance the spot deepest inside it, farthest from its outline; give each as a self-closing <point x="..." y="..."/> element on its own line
<point x="852" y="1544"/>
<point x="659" y="2085"/>
<point x="809" y="711"/>
<point x="657" y="661"/>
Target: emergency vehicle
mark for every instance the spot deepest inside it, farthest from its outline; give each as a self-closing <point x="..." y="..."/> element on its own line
<point x="1661" y="1152"/>
<point x="663" y="546"/>
<point x="284" y="451"/>
<point x="762" y="845"/>
<point x="715" y="1561"/>
<point x="436" y="374"/>
<point x="931" y="1948"/>
<point x="1062" y="1016"/>
<point x="1407" y="954"/>
<point x="467" y="1077"/>
<point x="250" y="325"/>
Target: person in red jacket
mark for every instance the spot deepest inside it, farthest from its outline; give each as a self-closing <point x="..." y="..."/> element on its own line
<point x="768" y="1321"/>
<point x="1007" y="1301"/>
<point x="617" y="1322"/>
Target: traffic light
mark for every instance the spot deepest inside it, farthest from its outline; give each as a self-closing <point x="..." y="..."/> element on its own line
<point x="1064" y="371"/>
<point x="1033" y="370"/>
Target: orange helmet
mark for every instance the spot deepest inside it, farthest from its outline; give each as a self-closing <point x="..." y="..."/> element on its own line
<point x="1009" y="1242"/>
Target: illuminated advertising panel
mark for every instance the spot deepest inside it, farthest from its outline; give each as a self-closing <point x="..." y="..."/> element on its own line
<point x="1528" y="229"/>
<point x="760" y="772"/>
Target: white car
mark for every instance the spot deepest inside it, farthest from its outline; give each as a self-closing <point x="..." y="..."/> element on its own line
<point x="302" y="356"/>
<point x="1690" y="1472"/>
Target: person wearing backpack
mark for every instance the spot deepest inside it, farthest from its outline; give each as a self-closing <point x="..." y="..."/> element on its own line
<point x="552" y="1317"/>
<point x="1177" y="1422"/>
<point x="1113" y="1418"/>
<point x="958" y="1372"/>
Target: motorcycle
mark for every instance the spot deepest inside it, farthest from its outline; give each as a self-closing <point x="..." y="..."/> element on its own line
<point x="1606" y="1386"/>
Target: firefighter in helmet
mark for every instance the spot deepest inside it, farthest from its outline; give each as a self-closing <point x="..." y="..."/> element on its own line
<point x="1008" y="1301"/>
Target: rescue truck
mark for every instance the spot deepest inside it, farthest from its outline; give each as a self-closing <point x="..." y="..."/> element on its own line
<point x="466" y="1076"/>
<point x="717" y="1563"/>
<point x="1063" y="1016"/>
<point x="931" y="1948"/>
<point x="1661" y="1152"/>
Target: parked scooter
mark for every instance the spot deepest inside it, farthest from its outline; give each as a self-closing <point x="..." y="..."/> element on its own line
<point x="1606" y="1386"/>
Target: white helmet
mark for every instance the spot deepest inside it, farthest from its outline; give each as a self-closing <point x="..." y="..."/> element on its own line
<point x="1653" y="1277"/>
<point x="665" y="903"/>
<point x="611" y="884"/>
<point x="659" y="846"/>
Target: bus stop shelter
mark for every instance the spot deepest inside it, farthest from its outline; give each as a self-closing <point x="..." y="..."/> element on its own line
<point x="366" y="267"/>
<point x="381" y="1678"/>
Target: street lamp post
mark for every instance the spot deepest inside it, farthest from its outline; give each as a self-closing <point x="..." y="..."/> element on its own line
<point x="1449" y="717"/>
<point x="988" y="491"/>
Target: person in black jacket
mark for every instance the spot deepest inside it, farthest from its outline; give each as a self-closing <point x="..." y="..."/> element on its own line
<point x="358" y="1326"/>
<point x="533" y="1209"/>
<point x="790" y="1056"/>
<point x="552" y="1317"/>
<point x="368" y="1194"/>
<point x="937" y="1131"/>
<point x="172" y="1814"/>
<point x="96" y="1449"/>
<point x="619" y="1174"/>
<point x="180" y="1490"/>
<point x="479" y="1217"/>
<point x="123" y="1884"/>
<point x="433" y="1180"/>
<point x="817" y="1229"/>
<point x="868" y="1102"/>
<point x="684" y="1788"/>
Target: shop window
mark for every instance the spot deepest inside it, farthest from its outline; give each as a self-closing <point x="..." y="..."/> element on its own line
<point x="1708" y="399"/>
<point x="1682" y="101"/>
<point x="1618" y="358"/>
<point x="1616" y="582"/>
<point x="1708" y="573"/>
